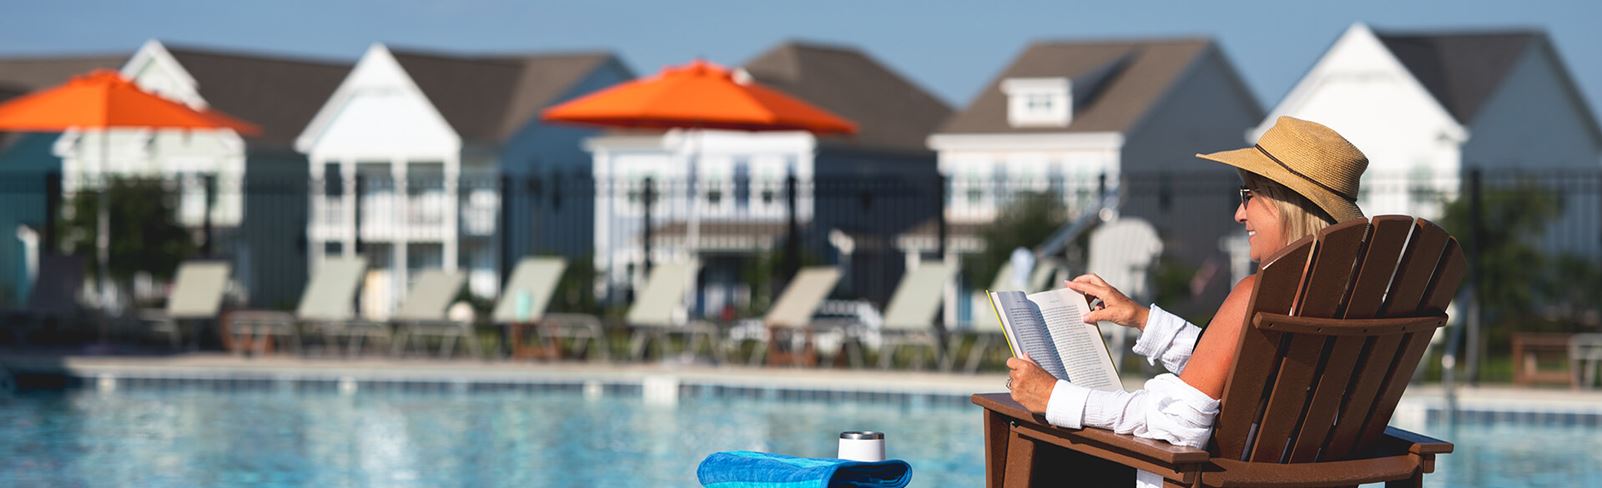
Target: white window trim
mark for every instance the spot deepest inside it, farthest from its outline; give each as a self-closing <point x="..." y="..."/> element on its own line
<point x="1022" y="93"/>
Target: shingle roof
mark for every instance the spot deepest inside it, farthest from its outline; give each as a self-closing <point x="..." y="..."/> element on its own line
<point x="1461" y="69"/>
<point x="1127" y="78"/>
<point x="281" y="95"/>
<point x="35" y="72"/>
<point x="488" y="98"/>
<point x="890" y="111"/>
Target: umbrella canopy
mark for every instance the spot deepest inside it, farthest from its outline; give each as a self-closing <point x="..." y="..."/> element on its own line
<point x="103" y="99"/>
<point x="698" y="95"/>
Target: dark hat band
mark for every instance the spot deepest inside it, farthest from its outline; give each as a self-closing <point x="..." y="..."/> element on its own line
<point x="1344" y="195"/>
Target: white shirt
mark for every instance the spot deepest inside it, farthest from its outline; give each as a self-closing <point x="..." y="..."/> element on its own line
<point x="1166" y="409"/>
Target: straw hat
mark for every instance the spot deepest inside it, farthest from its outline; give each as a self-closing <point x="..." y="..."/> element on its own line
<point x="1308" y="158"/>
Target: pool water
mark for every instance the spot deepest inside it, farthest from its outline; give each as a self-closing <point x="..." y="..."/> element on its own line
<point x="299" y="438"/>
<point x="267" y="437"/>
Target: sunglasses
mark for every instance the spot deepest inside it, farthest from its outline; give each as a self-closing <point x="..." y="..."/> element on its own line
<point x="1245" y="195"/>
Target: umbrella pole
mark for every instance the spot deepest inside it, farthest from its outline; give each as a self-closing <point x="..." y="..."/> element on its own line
<point x="103" y="231"/>
<point x="693" y="232"/>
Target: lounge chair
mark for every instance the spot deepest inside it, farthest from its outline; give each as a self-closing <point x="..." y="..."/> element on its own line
<point x="526" y="296"/>
<point x="53" y="299"/>
<point x="985" y="329"/>
<point x="197" y="296"/>
<point x="658" y="313"/>
<point x="909" y="318"/>
<point x="327" y="309"/>
<point x="423" y="314"/>
<point x="1337" y="326"/>
<point x="790" y="320"/>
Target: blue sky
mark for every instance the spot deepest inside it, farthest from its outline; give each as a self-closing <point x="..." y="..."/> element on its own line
<point x="950" y="47"/>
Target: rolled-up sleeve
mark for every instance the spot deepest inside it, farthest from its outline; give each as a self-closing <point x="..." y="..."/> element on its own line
<point x="1166" y="409"/>
<point x="1167" y="338"/>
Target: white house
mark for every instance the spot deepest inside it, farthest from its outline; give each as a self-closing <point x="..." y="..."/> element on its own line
<point x="1427" y="106"/>
<point x="255" y="221"/>
<point x="1075" y="118"/>
<point x="411" y="148"/>
<point x="740" y="177"/>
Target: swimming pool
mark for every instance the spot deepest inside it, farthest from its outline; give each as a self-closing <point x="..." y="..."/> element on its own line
<point x="276" y="436"/>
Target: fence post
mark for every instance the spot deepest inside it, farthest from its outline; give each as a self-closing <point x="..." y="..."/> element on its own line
<point x="1477" y="238"/>
<point x="503" y="228"/>
<point x="647" y="196"/>
<point x="209" y="184"/>
<point x="792" y="238"/>
<point x="356" y="214"/>
<point x="51" y="212"/>
<point x="942" y="227"/>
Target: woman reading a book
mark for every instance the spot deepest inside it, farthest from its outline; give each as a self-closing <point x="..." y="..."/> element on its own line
<point x="1299" y="178"/>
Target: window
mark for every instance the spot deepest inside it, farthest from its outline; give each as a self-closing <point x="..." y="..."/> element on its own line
<point x="1038" y="102"/>
<point x="742" y="184"/>
<point x="333" y="181"/>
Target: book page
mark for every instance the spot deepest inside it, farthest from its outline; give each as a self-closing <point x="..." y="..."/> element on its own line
<point x="1026" y="330"/>
<point x="1084" y="354"/>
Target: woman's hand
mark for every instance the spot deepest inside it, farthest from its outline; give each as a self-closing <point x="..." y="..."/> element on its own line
<point x="1031" y="386"/>
<point x="1115" y="307"/>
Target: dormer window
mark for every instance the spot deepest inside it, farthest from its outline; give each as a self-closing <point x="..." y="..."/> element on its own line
<point x="1038" y="102"/>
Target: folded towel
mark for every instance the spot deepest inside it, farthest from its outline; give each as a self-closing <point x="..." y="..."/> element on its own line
<point x="748" y="469"/>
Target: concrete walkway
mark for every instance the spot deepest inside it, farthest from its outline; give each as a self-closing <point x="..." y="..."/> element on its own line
<point x="1418" y="400"/>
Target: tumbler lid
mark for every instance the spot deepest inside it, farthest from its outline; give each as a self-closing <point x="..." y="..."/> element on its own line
<point x="862" y="435"/>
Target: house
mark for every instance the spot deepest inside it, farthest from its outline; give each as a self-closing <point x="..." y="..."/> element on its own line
<point x="740" y="203"/>
<point x="410" y="154"/>
<point x="26" y="160"/>
<point x="254" y="209"/>
<point x="1077" y="119"/>
<point x="1426" y="106"/>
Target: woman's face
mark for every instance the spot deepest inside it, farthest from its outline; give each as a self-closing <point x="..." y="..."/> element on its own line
<point x="1263" y="230"/>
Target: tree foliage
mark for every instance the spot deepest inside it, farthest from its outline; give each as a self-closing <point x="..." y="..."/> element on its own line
<point x="1027" y="222"/>
<point x="145" y="235"/>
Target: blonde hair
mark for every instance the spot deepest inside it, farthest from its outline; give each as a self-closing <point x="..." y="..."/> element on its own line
<point x="1298" y="216"/>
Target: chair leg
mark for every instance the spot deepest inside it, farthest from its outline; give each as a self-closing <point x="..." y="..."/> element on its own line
<point x="977" y="353"/>
<point x="1020" y="461"/>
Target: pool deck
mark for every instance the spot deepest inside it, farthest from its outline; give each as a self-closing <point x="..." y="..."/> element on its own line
<point x="1418" y="400"/>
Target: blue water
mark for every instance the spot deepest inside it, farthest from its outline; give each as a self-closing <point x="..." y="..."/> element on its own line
<point x="299" y="438"/>
<point x="190" y="437"/>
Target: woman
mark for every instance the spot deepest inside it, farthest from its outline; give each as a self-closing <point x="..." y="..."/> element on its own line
<point x="1299" y="178"/>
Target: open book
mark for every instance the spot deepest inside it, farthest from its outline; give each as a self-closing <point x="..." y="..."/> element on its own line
<point x="1050" y="327"/>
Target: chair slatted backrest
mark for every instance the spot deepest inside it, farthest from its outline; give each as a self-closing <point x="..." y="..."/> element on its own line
<point x="1337" y="325"/>
<point x="801" y="298"/>
<point x="528" y="292"/>
<point x="431" y="296"/>
<point x="919" y="297"/>
<point x="331" y="294"/>
<point x="198" y="289"/>
<point x="661" y="304"/>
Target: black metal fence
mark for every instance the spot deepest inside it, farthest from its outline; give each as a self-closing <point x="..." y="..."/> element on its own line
<point x="1534" y="236"/>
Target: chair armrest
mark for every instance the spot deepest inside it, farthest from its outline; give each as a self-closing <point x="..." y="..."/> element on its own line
<point x="1416" y="443"/>
<point x="1093" y="439"/>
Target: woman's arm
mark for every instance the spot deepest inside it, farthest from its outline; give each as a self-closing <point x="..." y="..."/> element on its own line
<point x="1179" y="410"/>
<point x="1214" y="357"/>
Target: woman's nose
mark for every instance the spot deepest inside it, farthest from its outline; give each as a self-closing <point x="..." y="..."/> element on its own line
<point x="1240" y="213"/>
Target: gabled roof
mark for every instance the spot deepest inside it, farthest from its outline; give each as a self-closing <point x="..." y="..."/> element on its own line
<point x="1127" y="78"/>
<point x="279" y="94"/>
<point x="1460" y="69"/>
<point x="488" y="98"/>
<point x="25" y="74"/>
<point x="891" y="112"/>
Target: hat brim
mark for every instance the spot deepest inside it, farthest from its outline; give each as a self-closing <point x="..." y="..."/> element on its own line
<point x="1254" y="161"/>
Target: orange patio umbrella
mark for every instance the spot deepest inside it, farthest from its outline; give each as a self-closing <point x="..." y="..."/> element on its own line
<point x="698" y="95"/>
<point x="103" y="100"/>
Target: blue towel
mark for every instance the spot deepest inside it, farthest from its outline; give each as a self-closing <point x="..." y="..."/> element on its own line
<point x="748" y="469"/>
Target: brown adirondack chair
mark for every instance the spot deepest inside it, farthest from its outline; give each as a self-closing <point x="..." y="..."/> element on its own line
<point x="1338" y="323"/>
